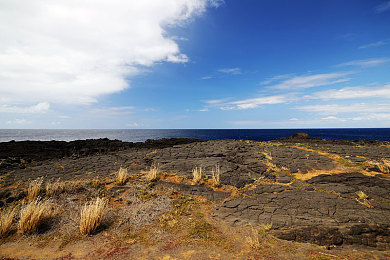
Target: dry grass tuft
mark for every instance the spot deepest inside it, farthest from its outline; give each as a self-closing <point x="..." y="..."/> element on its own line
<point x="33" y="214"/>
<point x="6" y="218"/>
<point x="92" y="215"/>
<point x="197" y="174"/>
<point x="216" y="176"/>
<point x="361" y="195"/>
<point x="153" y="173"/>
<point x="122" y="176"/>
<point x="253" y="239"/>
<point x="34" y="188"/>
<point x="54" y="188"/>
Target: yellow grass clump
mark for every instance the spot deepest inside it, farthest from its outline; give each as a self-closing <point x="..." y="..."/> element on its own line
<point x="122" y="176"/>
<point x="54" y="188"/>
<point x="92" y="215"/>
<point x="33" y="214"/>
<point x="6" y="218"/>
<point x="34" y="188"/>
<point x="361" y="195"/>
<point x="197" y="174"/>
<point x="216" y="176"/>
<point x="153" y="173"/>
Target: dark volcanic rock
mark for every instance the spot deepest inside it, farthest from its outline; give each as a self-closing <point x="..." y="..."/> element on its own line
<point x="300" y="135"/>
<point x="319" y="216"/>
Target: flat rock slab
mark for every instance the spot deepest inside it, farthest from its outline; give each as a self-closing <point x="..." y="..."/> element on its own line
<point x="319" y="216"/>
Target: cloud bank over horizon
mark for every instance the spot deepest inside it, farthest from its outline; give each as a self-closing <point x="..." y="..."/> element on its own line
<point x="73" y="52"/>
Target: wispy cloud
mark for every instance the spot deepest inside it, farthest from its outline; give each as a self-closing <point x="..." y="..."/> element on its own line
<point x="250" y="103"/>
<point x="352" y="93"/>
<point x="206" y="77"/>
<point x="234" y="71"/>
<point x="36" y="109"/>
<point x="311" y="81"/>
<point x="375" y="44"/>
<point x="276" y="78"/>
<point x="365" y="63"/>
<point x="113" y="110"/>
<point x="18" y="122"/>
<point x="347" y="108"/>
<point x="382" y="7"/>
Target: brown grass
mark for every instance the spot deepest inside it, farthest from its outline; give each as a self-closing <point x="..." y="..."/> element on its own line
<point x="33" y="214"/>
<point x="6" y="218"/>
<point x="153" y="173"/>
<point x="216" y="176"/>
<point x="92" y="215"/>
<point x="54" y="188"/>
<point x="122" y="176"/>
<point x="34" y="188"/>
<point x="197" y="174"/>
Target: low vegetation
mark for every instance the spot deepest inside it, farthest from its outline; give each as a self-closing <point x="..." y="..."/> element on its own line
<point x="122" y="176"/>
<point x="197" y="174"/>
<point x="153" y="173"/>
<point x="92" y="215"/>
<point x="33" y="215"/>
<point x="34" y="188"/>
<point x="54" y="188"/>
<point x="6" y="218"/>
<point x="216" y="176"/>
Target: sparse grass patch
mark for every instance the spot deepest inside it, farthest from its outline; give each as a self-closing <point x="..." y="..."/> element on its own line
<point x="122" y="176"/>
<point x="197" y="174"/>
<point x="200" y="229"/>
<point x="361" y="195"/>
<point x="34" y="214"/>
<point x="54" y="188"/>
<point x="92" y="215"/>
<point x="216" y="176"/>
<point x="7" y="216"/>
<point x="34" y="188"/>
<point x="153" y="173"/>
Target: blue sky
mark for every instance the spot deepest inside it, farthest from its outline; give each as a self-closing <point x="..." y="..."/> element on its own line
<point x="194" y="64"/>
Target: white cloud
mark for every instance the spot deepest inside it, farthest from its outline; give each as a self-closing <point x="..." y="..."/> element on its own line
<point x="206" y="77"/>
<point x="365" y="63"/>
<point x="36" y="109"/>
<point x="234" y="71"/>
<point x="382" y="7"/>
<point x="311" y="81"/>
<point x="250" y="103"/>
<point x="375" y="44"/>
<point x="71" y="51"/>
<point x="353" y="93"/>
<point x="357" y="108"/>
<point x="18" y="122"/>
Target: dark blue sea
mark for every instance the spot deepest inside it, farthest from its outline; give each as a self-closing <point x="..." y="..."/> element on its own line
<point x="140" y="135"/>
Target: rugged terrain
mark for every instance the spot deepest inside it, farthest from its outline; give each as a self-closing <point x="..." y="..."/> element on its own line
<point x="296" y="198"/>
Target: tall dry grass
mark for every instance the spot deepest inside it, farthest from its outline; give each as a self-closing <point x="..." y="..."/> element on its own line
<point x="34" y="188"/>
<point x="216" y="176"/>
<point x="122" y="176"/>
<point x="197" y="174"/>
<point x="153" y="173"/>
<point x="92" y="215"/>
<point x="6" y="218"/>
<point x="54" y="188"/>
<point x="33" y="214"/>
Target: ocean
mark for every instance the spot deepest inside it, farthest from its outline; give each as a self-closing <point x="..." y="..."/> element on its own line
<point x="140" y="135"/>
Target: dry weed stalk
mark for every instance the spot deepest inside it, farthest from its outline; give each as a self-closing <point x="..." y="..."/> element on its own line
<point x="92" y="215"/>
<point x="122" y="176"/>
<point x="197" y="174"/>
<point x="253" y="238"/>
<point x="216" y="175"/>
<point x="33" y="214"/>
<point x="54" y="188"/>
<point x="6" y="218"/>
<point x="34" y="188"/>
<point x="153" y="173"/>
